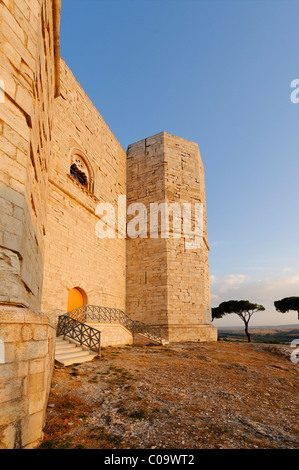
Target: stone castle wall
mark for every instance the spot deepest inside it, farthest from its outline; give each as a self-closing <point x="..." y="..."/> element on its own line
<point x="113" y="334"/>
<point x="28" y="56"/>
<point x="29" y="341"/>
<point x="75" y="257"/>
<point x="27" y="68"/>
<point x="167" y="283"/>
<point x="48" y="243"/>
<point x="188" y="276"/>
<point x="146" y="258"/>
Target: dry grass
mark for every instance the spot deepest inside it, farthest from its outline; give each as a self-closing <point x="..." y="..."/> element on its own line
<point x="205" y="395"/>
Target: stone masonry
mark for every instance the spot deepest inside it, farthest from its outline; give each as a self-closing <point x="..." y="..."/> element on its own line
<point x="29" y="53"/>
<point x="72" y="248"/>
<point x="29" y="340"/>
<point x="168" y="283"/>
<point x="27" y="67"/>
<point x="59" y="161"/>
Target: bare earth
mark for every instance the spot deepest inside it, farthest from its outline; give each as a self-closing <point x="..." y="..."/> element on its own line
<point x="223" y="395"/>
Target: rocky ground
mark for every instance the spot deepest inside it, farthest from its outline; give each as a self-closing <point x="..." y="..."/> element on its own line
<point x="225" y="395"/>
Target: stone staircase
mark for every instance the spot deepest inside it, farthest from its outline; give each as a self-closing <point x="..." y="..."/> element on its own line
<point x="68" y="353"/>
<point x="75" y="327"/>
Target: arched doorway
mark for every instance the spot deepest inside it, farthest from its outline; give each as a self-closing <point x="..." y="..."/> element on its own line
<point x="76" y="298"/>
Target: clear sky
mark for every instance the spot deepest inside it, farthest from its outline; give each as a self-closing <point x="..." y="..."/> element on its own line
<point x="216" y="72"/>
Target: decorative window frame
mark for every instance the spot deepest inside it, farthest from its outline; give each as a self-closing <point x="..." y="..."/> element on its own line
<point x="80" y="159"/>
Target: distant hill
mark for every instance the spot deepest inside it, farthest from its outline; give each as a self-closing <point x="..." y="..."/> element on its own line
<point x="241" y="327"/>
<point x="278" y="334"/>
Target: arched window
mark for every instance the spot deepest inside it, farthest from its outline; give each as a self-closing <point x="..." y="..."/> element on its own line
<point x="79" y="175"/>
<point x="81" y="169"/>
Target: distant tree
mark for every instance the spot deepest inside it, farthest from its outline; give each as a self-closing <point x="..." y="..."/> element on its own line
<point x="243" y="308"/>
<point x="287" y="304"/>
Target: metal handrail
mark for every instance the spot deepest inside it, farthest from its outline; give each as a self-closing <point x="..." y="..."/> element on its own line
<point x="79" y="332"/>
<point x="110" y="315"/>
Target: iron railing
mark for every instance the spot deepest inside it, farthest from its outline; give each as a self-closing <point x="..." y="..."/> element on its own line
<point x="94" y="313"/>
<point x="80" y="332"/>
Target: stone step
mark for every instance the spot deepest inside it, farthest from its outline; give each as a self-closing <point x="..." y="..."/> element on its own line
<point x="65" y="347"/>
<point x="62" y="341"/>
<point x="74" y="360"/>
<point x="75" y="352"/>
<point x="143" y="338"/>
<point x="68" y="353"/>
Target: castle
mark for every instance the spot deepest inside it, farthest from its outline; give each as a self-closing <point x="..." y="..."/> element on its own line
<point x="59" y="163"/>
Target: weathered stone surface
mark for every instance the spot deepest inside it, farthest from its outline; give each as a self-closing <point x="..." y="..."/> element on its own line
<point x="113" y="334"/>
<point x="74" y="256"/>
<point x="32" y="426"/>
<point x="27" y="67"/>
<point x="7" y="436"/>
<point x="25" y="375"/>
<point x="48" y="243"/>
<point x="168" y="284"/>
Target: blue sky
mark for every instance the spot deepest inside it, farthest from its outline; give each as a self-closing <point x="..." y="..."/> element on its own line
<point x="217" y="73"/>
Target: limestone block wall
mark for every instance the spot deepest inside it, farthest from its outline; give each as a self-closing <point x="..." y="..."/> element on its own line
<point x="75" y="257"/>
<point x="28" y="31"/>
<point x="146" y="258"/>
<point x="29" y="46"/>
<point x="25" y="371"/>
<point x="168" y="284"/>
<point x="113" y="334"/>
<point x="187" y="269"/>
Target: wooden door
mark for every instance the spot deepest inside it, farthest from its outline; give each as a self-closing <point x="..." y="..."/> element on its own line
<point x="75" y="299"/>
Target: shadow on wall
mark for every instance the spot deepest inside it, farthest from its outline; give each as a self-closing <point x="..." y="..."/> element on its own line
<point x="21" y="259"/>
